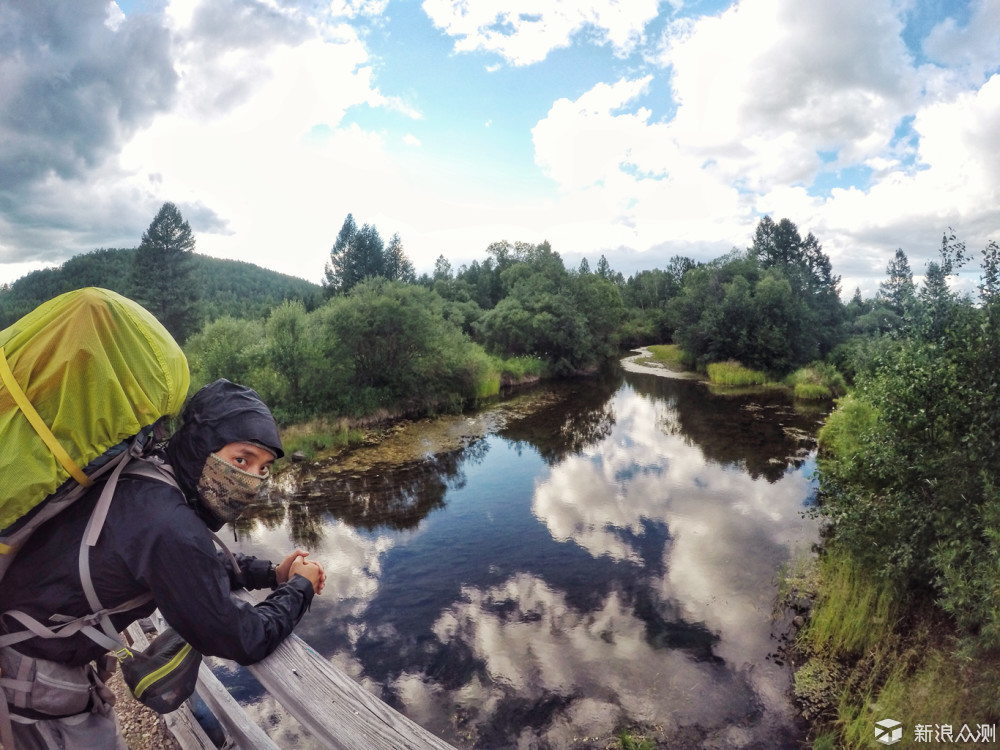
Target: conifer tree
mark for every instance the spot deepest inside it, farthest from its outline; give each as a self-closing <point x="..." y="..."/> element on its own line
<point x="396" y="265"/>
<point x="897" y="291"/>
<point x="162" y="277"/>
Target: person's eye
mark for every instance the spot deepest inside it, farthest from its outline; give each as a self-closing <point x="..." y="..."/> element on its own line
<point x="240" y="460"/>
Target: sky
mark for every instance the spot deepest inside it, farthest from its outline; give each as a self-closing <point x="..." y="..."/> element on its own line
<point x="635" y="129"/>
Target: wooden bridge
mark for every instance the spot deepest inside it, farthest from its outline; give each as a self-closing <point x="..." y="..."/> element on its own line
<point x="330" y="706"/>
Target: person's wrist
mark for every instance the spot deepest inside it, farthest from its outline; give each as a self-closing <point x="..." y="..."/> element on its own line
<point x="272" y="575"/>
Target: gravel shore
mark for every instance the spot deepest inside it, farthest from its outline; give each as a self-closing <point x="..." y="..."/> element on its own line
<point x="143" y="728"/>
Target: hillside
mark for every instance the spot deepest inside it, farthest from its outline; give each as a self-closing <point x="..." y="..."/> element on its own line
<point x="228" y="287"/>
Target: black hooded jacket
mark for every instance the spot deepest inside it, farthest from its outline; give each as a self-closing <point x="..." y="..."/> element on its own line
<point x="156" y="540"/>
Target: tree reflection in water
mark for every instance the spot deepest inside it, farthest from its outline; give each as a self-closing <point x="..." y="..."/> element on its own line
<point x="556" y="431"/>
<point x="393" y="496"/>
<point x="760" y="431"/>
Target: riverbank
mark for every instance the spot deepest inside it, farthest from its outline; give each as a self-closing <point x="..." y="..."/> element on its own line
<point x="865" y="653"/>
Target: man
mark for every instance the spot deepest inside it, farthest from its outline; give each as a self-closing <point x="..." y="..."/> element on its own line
<point x="155" y="540"/>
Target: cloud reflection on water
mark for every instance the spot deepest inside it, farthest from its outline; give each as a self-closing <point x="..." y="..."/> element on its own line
<point x="728" y="532"/>
<point x="680" y="506"/>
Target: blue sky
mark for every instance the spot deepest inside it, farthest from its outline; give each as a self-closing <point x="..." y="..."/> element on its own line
<point x="638" y="130"/>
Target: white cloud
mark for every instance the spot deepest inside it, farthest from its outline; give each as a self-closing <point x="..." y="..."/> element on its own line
<point x="411" y="140"/>
<point x="768" y="83"/>
<point x="625" y="180"/>
<point x="525" y="32"/>
<point x="972" y="48"/>
<point x="765" y="94"/>
<point x="257" y="135"/>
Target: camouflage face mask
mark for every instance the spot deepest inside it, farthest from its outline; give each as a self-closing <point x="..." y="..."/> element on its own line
<point x="227" y="490"/>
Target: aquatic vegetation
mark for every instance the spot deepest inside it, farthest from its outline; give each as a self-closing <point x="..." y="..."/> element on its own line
<point x="733" y="373"/>
<point x="817" y="382"/>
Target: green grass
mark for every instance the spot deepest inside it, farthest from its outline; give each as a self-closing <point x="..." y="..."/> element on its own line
<point x="840" y="436"/>
<point x="812" y="392"/>
<point x="669" y="354"/>
<point x="817" y="382"/>
<point x="318" y="436"/>
<point x="735" y="374"/>
<point x="521" y="368"/>
<point x="854" y="612"/>
<point x="872" y="655"/>
<point x="629" y="741"/>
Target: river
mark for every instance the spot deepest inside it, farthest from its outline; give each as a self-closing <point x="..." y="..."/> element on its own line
<point x="575" y="560"/>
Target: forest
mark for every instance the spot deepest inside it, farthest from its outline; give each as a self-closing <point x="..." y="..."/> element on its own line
<point x="910" y="494"/>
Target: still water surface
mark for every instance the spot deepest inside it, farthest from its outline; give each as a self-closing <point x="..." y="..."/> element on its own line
<point x="606" y="555"/>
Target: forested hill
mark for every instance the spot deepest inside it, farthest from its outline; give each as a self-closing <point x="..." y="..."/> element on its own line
<point x="227" y="287"/>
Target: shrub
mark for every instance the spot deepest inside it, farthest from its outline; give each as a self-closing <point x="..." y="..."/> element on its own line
<point x="816" y="382"/>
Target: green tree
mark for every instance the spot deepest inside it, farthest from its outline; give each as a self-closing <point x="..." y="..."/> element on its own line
<point x="897" y="291"/>
<point x="913" y="490"/>
<point x="290" y="358"/>
<point x="228" y="348"/>
<point x="356" y="255"/>
<point x="397" y="267"/>
<point x="808" y="269"/>
<point x="605" y="271"/>
<point x="397" y="349"/>
<point x="442" y="269"/>
<point x="162" y="275"/>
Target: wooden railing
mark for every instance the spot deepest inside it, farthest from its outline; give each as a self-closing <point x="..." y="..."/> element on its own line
<point x="330" y="706"/>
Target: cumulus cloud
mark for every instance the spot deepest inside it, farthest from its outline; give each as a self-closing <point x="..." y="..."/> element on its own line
<point x="107" y="116"/>
<point x="792" y="80"/>
<point x="525" y="32"/>
<point x="72" y="101"/>
<point x="770" y="98"/>
<point x="972" y="47"/>
<point x="74" y="90"/>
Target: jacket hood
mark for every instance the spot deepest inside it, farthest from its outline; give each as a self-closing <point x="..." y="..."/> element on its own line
<point x="220" y="413"/>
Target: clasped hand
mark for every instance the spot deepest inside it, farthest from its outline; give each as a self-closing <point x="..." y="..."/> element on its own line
<point x="296" y="564"/>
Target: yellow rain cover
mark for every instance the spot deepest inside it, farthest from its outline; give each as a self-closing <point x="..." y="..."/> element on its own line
<point x="95" y="368"/>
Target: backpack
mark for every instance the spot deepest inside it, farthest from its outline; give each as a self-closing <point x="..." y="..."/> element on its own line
<point x="84" y="378"/>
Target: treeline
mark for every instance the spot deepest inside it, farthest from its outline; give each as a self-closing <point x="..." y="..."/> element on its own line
<point x="376" y="338"/>
<point x="389" y="346"/>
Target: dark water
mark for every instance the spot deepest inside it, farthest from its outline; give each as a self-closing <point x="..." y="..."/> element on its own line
<point x="609" y="561"/>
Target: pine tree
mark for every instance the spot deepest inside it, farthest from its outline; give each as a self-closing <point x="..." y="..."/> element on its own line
<point x="357" y="254"/>
<point x="898" y="290"/>
<point x="339" y="258"/>
<point x="396" y="265"/>
<point x="162" y="277"/>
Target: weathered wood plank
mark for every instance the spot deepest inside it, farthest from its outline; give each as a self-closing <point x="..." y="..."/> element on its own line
<point x="331" y="706"/>
<point x="246" y="734"/>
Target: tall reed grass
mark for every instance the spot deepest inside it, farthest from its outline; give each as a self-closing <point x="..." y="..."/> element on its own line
<point x="733" y="373"/>
<point x="817" y="382"/>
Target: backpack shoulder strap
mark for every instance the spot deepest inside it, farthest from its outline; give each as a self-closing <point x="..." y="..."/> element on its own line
<point x="165" y="473"/>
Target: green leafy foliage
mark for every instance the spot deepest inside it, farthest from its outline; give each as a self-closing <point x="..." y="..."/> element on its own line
<point x="909" y="467"/>
<point x="735" y="308"/>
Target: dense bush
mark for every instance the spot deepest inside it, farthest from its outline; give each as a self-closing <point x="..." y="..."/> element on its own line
<point x="385" y="347"/>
